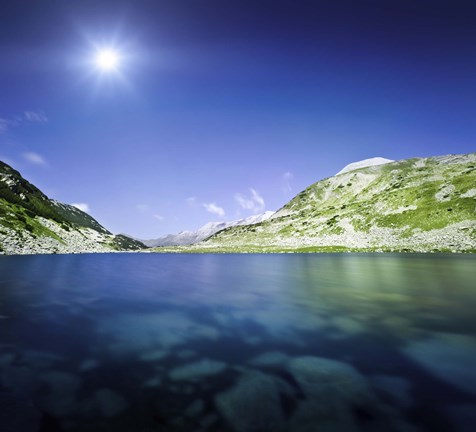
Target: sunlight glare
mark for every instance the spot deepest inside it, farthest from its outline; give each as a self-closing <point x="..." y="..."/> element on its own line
<point x="107" y="60"/>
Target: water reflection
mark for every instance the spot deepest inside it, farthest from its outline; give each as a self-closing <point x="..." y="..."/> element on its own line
<point x="238" y="342"/>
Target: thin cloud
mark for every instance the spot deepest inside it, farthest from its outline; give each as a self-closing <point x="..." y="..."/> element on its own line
<point x="82" y="206"/>
<point x="34" y="158"/>
<point x="27" y="118"/>
<point x="287" y="177"/>
<point x="255" y="202"/>
<point x="159" y="217"/>
<point x="35" y="117"/>
<point x="4" y="125"/>
<point x="191" y="201"/>
<point x="214" y="209"/>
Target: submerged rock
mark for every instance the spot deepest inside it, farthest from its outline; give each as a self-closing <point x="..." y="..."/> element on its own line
<point x="61" y="399"/>
<point x="338" y="399"/>
<point x="186" y="354"/>
<point x="197" y="370"/>
<point x="195" y="408"/>
<point x="6" y="359"/>
<point x="136" y="333"/>
<point x="320" y="378"/>
<point x="153" y="382"/>
<point x="312" y="416"/>
<point x="252" y="405"/>
<point x="109" y="403"/>
<point x="20" y="380"/>
<point x="151" y="356"/>
<point x="41" y="359"/>
<point x="447" y="356"/>
<point x="104" y="402"/>
<point x="88" y="364"/>
<point x="270" y="359"/>
<point x="397" y="389"/>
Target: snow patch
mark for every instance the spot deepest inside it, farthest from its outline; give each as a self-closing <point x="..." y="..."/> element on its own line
<point x="364" y="164"/>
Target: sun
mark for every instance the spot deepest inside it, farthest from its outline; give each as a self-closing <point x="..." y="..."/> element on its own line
<point x="107" y="60"/>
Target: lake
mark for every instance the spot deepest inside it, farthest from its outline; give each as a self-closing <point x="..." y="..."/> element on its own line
<point x="239" y="343"/>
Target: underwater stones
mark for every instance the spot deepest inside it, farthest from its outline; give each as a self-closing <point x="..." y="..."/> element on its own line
<point x="151" y="356"/>
<point x="397" y="389"/>
<point x="153" y="382"/>
<point x="61" y="398"/>
<point x="337" y="398"/>
<point x="347" y="325"/>
<point x="88" y="364"/>
<point x="449" y="357"/>
<point x="141" y="332"/>
<point x="186" y="354"/>
<point x="252" y="405"/>
<point x="320" y="378"/>
<point x="312" y="416"/>
<point x="6" y="359"/>
<point x="270" y="359"/>
<point x="109" y="403"/>
<point x="195" y="408"/>
<point x="19" y="379"/>
<point x="197" y="370"/>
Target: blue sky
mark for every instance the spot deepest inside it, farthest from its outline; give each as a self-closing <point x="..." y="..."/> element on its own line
<point x="223" y="109"/>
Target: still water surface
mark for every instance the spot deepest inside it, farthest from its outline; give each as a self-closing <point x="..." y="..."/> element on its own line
<point x="243" y="343"/>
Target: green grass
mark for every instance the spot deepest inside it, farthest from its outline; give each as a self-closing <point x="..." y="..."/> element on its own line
<point x="19" y="219"/>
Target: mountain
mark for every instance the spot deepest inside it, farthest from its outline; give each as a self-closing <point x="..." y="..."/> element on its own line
<point x="192" y="237"/>
<point x="420" y="204"/>
<point x="30" y="222"/>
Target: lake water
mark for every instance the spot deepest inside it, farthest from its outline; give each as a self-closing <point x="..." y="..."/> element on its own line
<point x="241" y="343"/>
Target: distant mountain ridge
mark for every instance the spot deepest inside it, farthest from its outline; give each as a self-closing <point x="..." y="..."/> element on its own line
<point x="419" y="204"/>
<point x="30" y="222"/>
<point x="192" y="237"/>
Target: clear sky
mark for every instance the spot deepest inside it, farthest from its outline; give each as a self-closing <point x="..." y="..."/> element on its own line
<point x="221" y="109"/>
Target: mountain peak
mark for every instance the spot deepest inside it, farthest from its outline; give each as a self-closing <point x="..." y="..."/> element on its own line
<point x="364" y="163"/>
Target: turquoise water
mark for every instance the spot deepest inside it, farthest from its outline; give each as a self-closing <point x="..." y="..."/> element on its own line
<point x="245" y="343"/>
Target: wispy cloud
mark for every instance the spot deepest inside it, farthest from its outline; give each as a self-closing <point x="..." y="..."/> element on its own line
<point x="35" y="117"/>
<point x="28" y="117"/>
<point x="255" y="202"/>
<point x="4" y="124"/>
<point x="287" y="177"/>
<point x="159" y="217"/>
<point x="191" y="201"/>
<point x="82" y="206"/>
<point x="214" y="209"/>
<point x="34" y="158"/>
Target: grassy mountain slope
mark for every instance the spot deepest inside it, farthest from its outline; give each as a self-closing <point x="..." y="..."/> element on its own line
<point x="32" y="223"/>
<point x="421" y="204"/>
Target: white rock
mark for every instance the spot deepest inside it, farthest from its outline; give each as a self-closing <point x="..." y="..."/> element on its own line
<point x="364" y="164"/>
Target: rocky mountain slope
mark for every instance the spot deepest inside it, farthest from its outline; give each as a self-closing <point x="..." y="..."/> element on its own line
<point x="30" y="222"/>
<point x="421" y="204"/>
<point x="207" y="230"/>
